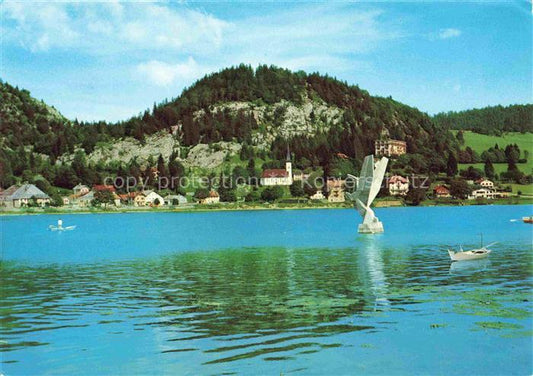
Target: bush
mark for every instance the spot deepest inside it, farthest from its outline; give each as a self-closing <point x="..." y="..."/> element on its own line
<point x="272" y="193"/>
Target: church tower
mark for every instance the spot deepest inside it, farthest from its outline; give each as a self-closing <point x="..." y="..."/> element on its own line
<point x="288" y="165"/>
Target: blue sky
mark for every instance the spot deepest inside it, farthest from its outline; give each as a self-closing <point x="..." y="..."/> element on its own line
<point x="111" y="60"/>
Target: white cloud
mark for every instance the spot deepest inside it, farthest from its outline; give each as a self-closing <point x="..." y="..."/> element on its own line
<point x="165" y="74"/>
<point x="449" y="33"/>
<point x="110" y="27"/>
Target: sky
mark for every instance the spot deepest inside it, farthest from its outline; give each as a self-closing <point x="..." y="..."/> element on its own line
<point x="112" y="60"/>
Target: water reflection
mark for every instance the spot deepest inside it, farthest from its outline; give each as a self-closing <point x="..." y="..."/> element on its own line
<point x="458" y="267"/>
<point x="230" y="305"/>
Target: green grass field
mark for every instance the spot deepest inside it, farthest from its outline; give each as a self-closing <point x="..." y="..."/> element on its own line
<point x="481" y="142"/>
<point x="526" y="168"/>
<point x="525" y="189"/>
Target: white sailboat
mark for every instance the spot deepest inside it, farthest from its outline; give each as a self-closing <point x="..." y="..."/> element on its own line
<point x="473" y="254"/>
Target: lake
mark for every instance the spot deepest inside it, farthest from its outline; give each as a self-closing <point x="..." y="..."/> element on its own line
<point x="267" y="292"/>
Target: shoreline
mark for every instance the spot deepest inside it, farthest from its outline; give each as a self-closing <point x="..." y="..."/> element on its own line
<point x="243" y="207"/>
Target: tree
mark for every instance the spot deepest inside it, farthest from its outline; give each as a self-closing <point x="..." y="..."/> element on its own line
<point x="103" y="197"/>
<point x="451" y="165"/>
<point x="415" y="196"/>
<point x="489" y="169"/>
<point x="460" y="137"/>
<point x="161" y="166"/>
<point x="252" y="196"/>
<point x="297" y="189"/>
<point x="201" y="193"/>
<point x="272" y="193"/>
<point x="459" y="188"/>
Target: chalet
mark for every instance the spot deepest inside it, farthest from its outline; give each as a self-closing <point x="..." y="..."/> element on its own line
<point x="390" y="148"/>
<point x="24" y="195"/>
<point x="153" y="199"/>
<point x="398" y="185"/>
<point x="212" y="198"/>
<point x="335" y="190"/>
<point x="484" y="183"/>
<point x="278" y="176"/>
<point x="441" y="191"/>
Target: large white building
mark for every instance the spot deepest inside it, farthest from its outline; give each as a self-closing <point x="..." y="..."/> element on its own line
<point x="278" y="176"/>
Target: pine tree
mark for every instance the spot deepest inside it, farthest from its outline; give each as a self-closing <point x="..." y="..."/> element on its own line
<point x="451" y="166"/>
<point x="489" y="169"/>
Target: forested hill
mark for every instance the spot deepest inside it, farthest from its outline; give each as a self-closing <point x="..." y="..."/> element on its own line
<point x="489" y="120"/>
<point x="260" y="110"/>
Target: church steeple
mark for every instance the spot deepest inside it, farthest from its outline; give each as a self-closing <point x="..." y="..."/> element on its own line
<point x="288" y="165"/>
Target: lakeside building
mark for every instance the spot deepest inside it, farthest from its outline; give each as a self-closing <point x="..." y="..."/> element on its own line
<point x="140" y="199"/>
<point x="153" y="199"/>
<point x="483" y="193"/>
<point x="80" y="190"/>
<point x="212" y="198"/>
<point x="390" y="148"/>
<point x="485" y="183"/>
<point x="398" y="185"/>
<point x="318" y="195"/>
<point x="175" y="200"/>
<point x="441" y="191"/>
<point x="335" y="188"/>
<point x="24" y="195"/>
<point x="278" y="176"/>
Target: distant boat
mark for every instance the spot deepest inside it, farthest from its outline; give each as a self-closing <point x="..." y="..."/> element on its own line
<point x="528" y="219"/>
<point x="473" y="254"/>
<point x="60" y="227"/>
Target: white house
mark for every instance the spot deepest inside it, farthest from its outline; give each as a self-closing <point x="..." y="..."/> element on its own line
<point x="278" y="176"/>
<point x="317" y="196"/>
<point x="398" y="185"/>
<point x="482" y="193"/>
<point x="484" y="183"/>
<point x="153" y="199"/>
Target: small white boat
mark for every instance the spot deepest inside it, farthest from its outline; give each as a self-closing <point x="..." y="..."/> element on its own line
<point x="60" y="227"/>
<point x="473" y="254"/>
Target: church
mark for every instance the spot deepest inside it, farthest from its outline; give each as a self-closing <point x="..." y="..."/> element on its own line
<point x="278" y="176"/>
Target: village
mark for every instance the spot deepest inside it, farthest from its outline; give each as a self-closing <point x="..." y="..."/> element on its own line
<point x="290" y="185"/>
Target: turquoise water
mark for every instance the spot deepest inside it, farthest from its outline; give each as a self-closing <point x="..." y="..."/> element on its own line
<point x="266" y="292"/>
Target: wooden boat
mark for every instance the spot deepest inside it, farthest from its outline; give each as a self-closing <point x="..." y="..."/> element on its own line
<point x="473" y="254"/>
<point x="528" y="219"/>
